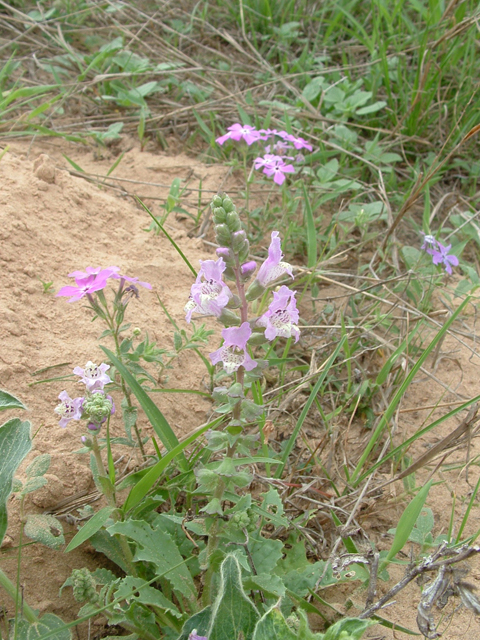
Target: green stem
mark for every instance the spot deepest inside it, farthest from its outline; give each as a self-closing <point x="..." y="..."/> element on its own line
<point x="12" y="591"/>
<point x="109" y="493"/>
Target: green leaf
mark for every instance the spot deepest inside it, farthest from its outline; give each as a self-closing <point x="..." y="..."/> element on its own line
<point x="266" y="582"/>
<point x="407" y="522"/>
<point x="7" y="401"/>
<point x="348" y="629"/>
<point x="198" y="621"/>
<point x="39" y="466"/>
<point x="157" y="546"/>
<point x="153" y="413"/>
<point x="311" y="231"/>
<point x="90" y="528"/>
<point x="272" y="626"/>
<point x="46" y="625"/>
<point x="233" y="613"/>
<point x="131" y="588"/>
<point x="144" y="485"/>
<point x="46" y="529"/>
<point x="265" y="553"/>
<point x="15" y="443"/>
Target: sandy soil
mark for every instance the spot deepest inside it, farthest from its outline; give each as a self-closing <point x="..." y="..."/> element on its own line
<point x="52" y="223"/>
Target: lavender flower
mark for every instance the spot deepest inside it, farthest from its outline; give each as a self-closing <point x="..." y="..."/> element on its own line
<point x="273" y="267"/>
<point x="441" y="256"/>
<point x="194" y="636"/>
<point x="94" y="279"/>
<point x="274" y="166"/>
<point x="209" y="295"/>
<point x="439" y="253"/>
<point x="240" y="132"/>
<point x="84" y="286"/>
<point x="68" y="409"/>
<point x="93" y="376"/>
<point x="233" y="353"/>
<point x="282" y="316"/>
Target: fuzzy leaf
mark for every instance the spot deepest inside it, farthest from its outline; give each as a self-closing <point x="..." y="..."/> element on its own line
<point x="7" y="401"/>
<point x="15" y="443"/>
<point x="270" y="584"/>
<point x="39" y="466"/>
<point x="233" y="613"/>
<point x="272" y="626"/>
<point x="348" y="629"/>
<point x="198" y="621"/>
<point x="157" y="546"/>
<point x="265" y="553"/>
<point x="48" y="623"/>
<point x="136" y="589"/>
<point x="32" y="484"/>
<point x="45" y="529"/>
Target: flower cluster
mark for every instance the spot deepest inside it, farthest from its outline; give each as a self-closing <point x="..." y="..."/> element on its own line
<point x="95" y="279"/>
<point x="277" y="159"/>
<point x="95" y="405"/>
<point x="439" y="253"/>
<point x="210" y="295"/>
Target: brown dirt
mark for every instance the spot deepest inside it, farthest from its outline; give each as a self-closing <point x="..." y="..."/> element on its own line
<point x="52" y="223"/>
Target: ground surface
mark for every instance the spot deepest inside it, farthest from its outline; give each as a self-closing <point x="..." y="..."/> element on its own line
<point x="52" y="223"/>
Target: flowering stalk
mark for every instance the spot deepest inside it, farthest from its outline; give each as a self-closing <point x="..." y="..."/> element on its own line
<point x="210" y="295"/>
<point x="91" y="284"/>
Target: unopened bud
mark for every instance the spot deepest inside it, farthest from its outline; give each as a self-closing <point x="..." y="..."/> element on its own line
<point x="233" y="221"/>
<point x="223" y="234"/>
<point x="217" y="201"/>
<point x="226" y="254"/>
<point x="247" y="269"/>
<point x="228" y="204"/>
<point x="86" y="442"/>
<point x="137" y="331"/>
<point x="254" y="291"/>
<point x="219" y="215"/>
<point x="238" y="241"/>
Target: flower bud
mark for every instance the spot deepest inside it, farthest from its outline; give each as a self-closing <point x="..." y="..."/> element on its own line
<point x="229" y="318"/>
<point x="217" y="201"/>
<point x="228" y="204"/>
<point x="223" y="234"/>
<point x="97" y="407"/>
<point x="137" y="331"/>
<point x="244" y="253"/>
<point x="239" y="238"/>
<point x="86" y="442"/>
<point x="247" y="269"/>
<point x="94" y="427"/>
<point x="233" y="221"/>
<point x="226" y="254"/>
<point x="219" y="215"/>
<point x="254" y="291"/>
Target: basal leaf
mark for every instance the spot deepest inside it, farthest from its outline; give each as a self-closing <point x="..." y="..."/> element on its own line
<point x="7" y="401"/>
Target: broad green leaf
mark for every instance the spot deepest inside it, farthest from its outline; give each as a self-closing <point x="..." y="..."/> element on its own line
<point x="7" y="401"/>
<point x="233" y="613"/>
<point x="407" y="522"/>
<point x="348" y="629"/>
<point x="39" y="466"/>
<point x="15" y="443"/>
<point x="158" y="547"/>
<point x="49" y="624"/>
<point x="266" y="582"/>
<point x="199" y="621"/>
<point x="265" y="553"/>
<point x="272" y="626"/>
<point x="46" y="529"/>
<point x="131" y="588"/>
<point x="90" y="528"/>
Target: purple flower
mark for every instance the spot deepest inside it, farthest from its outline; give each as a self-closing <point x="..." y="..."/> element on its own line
<point x="441" y="256"/>
<point x="430" y="244"/>
<point x="233" y="353"/>
<point x="103" y="274"/>
<point x="273" y="267"/>
<point x="209" y="295"/>
<point x="194" y="636"/>
<point x="238" y="132"/>
<point x="274" y="166"/>
<point x="298" y="143"/>
<point x="68" y="409"/>
<point x="93" y="376"/>
<point x="247" y="268"/>
<point x="117" y="276"/>
<point x="84" y="286"/>
<point x="282" y="316"/>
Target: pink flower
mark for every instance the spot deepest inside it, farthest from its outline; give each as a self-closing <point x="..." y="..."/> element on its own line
<point x="93" y="376"/>
<point x="274" y="166"/>
<point x="68" y="409"/>
<point x="240" y="132"/>
<point x="441" y="256"/>
<point x="282" y="316"/>
<point x="298" y="143"/>
<point x="117" y="276"/>
<point x="233" y="353"/>
<point x="209" y="295"/>
<point x="103" y="274"/>
<point x="84" y="286"/>
<point x="273" y="267"/>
